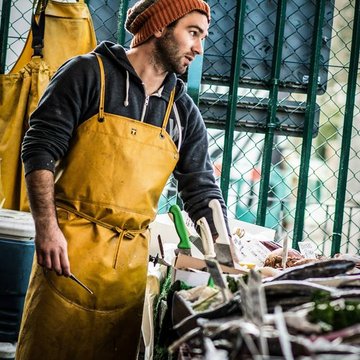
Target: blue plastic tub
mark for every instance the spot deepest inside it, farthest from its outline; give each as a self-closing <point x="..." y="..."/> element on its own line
<point x="16" y="256"/>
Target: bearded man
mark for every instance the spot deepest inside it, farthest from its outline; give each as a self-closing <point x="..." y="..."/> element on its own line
<point x="110" y="129"/>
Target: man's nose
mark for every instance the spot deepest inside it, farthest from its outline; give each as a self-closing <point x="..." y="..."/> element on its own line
<point x="198" y="47"/>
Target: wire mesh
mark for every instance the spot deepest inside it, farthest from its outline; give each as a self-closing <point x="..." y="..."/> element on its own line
<point x="253" y="93"/>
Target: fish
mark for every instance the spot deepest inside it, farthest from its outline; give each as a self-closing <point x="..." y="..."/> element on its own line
<point x="324" y="268"/>
<point x="226" y="309"/>
<point x="291" y="293"/>
<point x="293" y="287"/>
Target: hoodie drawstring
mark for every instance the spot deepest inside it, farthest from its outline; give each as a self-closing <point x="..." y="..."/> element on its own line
<point x="178" y="123"/>
<point x="126" y="101"/>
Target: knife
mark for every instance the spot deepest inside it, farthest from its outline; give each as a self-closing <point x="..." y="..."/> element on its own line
<point x="207" y="239"/>
<point x="194" y="239"/>
<point x="210" y="258"/>
<point x="158" y="260"/>
<point x="222" y="243"/>
<point x="74" y="278"/>
<point x="184" y="246"/>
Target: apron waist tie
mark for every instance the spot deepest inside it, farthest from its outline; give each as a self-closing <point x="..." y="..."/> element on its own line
<point x="123" y="233"/>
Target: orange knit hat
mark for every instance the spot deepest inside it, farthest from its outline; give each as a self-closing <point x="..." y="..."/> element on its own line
<point x="148" y="16"/>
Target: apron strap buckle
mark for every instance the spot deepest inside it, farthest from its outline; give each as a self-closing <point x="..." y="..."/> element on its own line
<point x="38" y="50"/>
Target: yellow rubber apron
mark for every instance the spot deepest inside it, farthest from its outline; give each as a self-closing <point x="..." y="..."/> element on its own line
<point x="21" y="89"/>
<point x="107" y="194"/>
<point x="64" y="23"/>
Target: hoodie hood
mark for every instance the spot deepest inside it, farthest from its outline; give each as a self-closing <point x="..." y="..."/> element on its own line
<point x="117" y="54"/>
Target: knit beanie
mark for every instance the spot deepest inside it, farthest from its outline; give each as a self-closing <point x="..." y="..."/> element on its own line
<point x="148" y="16"/>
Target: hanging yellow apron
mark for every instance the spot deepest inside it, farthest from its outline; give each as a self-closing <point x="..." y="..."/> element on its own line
<point x="69" y="31"/>
<point x="21" y="89"/>
<point x="107" y="194"/>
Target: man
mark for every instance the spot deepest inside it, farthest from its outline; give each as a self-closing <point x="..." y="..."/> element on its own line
<point x="118" y="123"/>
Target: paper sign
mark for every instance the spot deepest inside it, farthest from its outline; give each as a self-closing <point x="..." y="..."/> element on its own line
<point x="250" y="250"/>
<point x="307" y="248"/>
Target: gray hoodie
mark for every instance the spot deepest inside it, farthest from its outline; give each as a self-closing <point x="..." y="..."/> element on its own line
<point x="72" y="97"/>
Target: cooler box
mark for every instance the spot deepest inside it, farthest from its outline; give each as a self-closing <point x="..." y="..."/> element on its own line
<point x="17" y="233"/>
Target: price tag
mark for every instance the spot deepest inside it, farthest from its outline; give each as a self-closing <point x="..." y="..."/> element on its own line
<point x="250" y="250"/>
<point x="307" y="248"/>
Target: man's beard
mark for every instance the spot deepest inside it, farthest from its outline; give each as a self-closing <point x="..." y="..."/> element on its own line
<point x="167" y="53"/>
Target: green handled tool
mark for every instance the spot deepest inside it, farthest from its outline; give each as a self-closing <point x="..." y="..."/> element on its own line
<point x="184" y="246"/>
<point x="194" y="240"/>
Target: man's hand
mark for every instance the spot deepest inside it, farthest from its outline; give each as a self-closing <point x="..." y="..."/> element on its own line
<point x="51" y="251"/>
<point x="50" y="242"/>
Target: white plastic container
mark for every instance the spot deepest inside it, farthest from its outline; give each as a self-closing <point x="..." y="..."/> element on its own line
<point x="17" y="224"/>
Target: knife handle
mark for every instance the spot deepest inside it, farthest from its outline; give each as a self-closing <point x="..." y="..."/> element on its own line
<point x="180" y="227"/>
<point x="206" y="237"/>
<point x="219" y="222"/>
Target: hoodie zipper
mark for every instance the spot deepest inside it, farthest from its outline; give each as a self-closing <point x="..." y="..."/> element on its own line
<point x="146" y="103"/>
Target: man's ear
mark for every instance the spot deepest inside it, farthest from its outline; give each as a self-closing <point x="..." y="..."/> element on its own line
<point x="159" y="33"/>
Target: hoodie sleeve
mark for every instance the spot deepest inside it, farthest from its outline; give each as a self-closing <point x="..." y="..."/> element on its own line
<point x="68" y="99"/>
<point x="194" y="171"/>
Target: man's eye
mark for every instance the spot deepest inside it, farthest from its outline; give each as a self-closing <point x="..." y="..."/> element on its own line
<point x="193" y="33"/>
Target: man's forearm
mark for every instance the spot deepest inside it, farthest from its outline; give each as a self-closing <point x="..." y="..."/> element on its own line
<point x="51" y="245"/>
<point x="40" y="187"/>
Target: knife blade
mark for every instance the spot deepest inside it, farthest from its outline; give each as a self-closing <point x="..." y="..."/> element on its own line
<point x="158" y="260"/>
<point x="195" y="240"/>
<point x="222" y="243"/>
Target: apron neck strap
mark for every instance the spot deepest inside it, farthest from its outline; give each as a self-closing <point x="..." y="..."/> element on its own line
<point x="102" y="97"/>
<point x="168" y="110"/>
<point x="102" y="89"/>
<point x="38" y="27"/>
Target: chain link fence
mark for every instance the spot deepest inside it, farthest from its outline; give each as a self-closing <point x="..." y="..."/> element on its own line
<point x="286" y="126"/>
